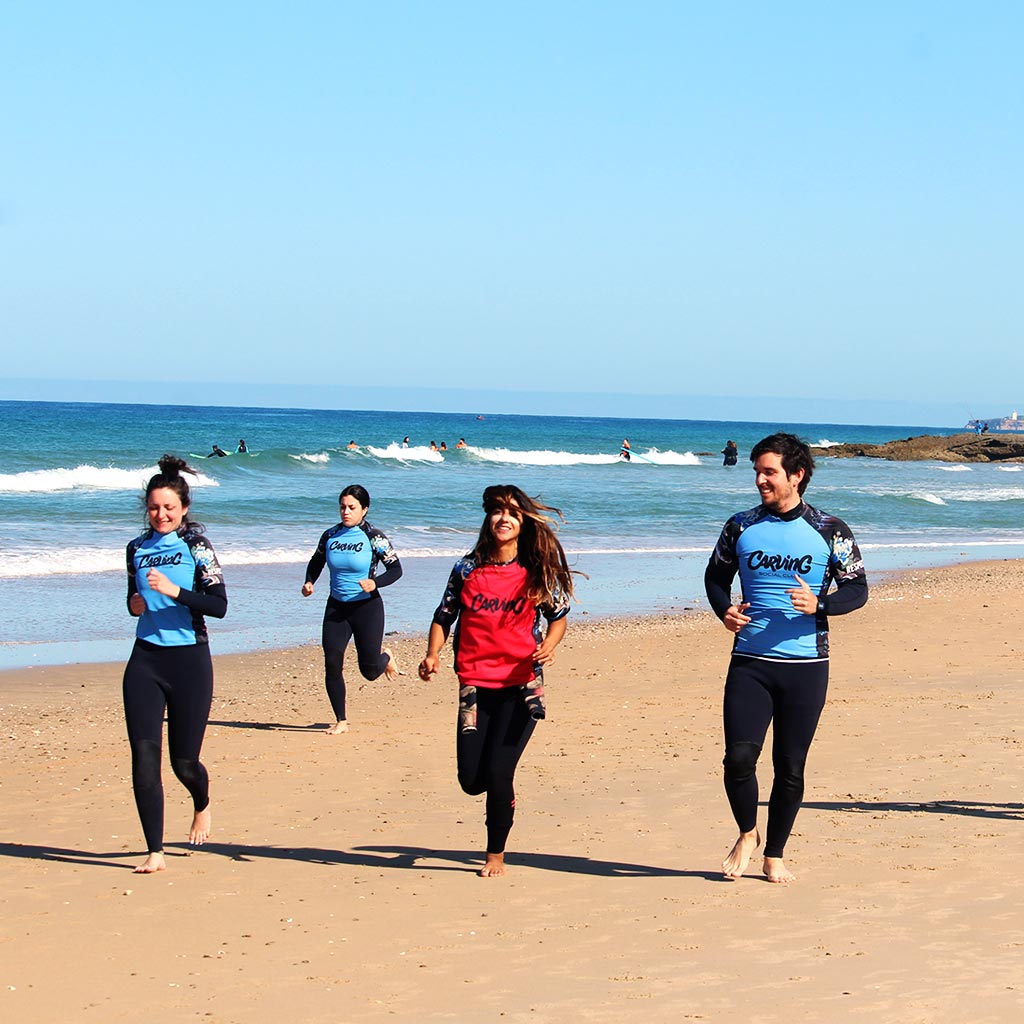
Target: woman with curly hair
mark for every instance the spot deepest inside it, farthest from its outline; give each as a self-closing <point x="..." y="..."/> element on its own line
<point x="174" y="580"/>
<point x="514" y="579"/>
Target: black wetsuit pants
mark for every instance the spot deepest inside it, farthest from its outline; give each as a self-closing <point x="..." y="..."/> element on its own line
<point x="488" y="756"/>
<point x="362" y="621"/>
<point x="790" y="695"/>
<point x="180" y="680"/>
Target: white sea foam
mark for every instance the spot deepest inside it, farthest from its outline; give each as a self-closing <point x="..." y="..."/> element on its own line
<point x="318" y="458"/>
<point x="932" y="499"/>
<point x="941" y="544"/>
<point x="1010" y="469"/>
<point x="543" y="457"/>
<point x="96" y="478"/>
<point x="826" y="443"/>
<point x="86" y="561"/>
<point x="415" y="453"/>
<point x="955" y="469"/>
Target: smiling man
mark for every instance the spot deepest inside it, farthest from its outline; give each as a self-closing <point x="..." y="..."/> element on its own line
<point x="788" y="555"/>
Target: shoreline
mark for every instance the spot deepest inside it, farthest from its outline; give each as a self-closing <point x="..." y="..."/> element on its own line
<point x="342" y="869"/>
<point x="877" y="580"/>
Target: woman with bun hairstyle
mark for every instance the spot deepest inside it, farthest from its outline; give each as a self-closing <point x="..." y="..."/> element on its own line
<point x="353" y="550"/>
<point x="174" y="581"/>
<point x="500" y="593"/>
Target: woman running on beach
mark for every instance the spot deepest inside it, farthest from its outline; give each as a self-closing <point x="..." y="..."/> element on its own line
<point x="174" y="580"/>
<point x="515" y="576"/>
<point x="352" y="550"/>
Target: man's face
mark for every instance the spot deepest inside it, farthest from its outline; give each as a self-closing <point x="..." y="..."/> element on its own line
<point x="779" y="492"/>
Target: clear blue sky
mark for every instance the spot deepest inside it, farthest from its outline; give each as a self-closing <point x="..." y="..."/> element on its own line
<point x="761" y="205"/>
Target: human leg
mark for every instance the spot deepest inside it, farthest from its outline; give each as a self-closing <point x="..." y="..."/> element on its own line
<point x="367" y="621"/>
<point x="746" y="713"/>
<point x="337" y="631"/>
<point x="144" y="702"/>
<point x="487" y="759"/>
<point x="799" y="697"/>
<point x="188" y="713"/>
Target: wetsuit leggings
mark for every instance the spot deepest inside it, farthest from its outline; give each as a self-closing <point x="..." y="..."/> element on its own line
<point x="791" y="695"/>
<point x="180" y="680"/>
<point x="487" y="757"/>
<point x="362" y="621"/>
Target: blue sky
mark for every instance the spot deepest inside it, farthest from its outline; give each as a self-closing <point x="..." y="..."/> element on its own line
<point x="757" y="207"/>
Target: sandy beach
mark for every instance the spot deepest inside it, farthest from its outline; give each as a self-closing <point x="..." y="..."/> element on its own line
<point x="340" y="881"/>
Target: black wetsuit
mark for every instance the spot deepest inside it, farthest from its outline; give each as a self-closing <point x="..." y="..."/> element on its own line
<point x="170" y="669"/>
<point x="779" y="668"/>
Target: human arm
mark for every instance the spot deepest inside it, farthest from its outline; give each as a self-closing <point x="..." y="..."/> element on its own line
<point x="851" y="590"/>
<point x="718" y="578"/>
<point x="134" y="600"/>
<point x="436" y="639"/>
<point x="545" y="653"/>
<point x="383" y="554"/>
<point x="316" y="564"/>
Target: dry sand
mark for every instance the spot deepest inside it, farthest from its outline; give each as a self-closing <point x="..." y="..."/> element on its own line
<point x="340" y="881"/>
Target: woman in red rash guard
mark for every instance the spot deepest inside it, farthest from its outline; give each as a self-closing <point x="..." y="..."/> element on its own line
<point x="501" y="593"/>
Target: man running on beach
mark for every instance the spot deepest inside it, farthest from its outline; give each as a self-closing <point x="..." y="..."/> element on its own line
<point x="787" y="555"/>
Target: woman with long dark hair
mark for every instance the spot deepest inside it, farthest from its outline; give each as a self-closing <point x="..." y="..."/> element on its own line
<point x="501" y="593"/>
<point x="353" y="550"/>
<point x="174" y="581"/>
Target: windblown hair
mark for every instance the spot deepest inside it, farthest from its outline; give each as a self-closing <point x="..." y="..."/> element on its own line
<point x="171" y="468"/>
<point x="540" y="551"/>
<point x="795" y="455"/>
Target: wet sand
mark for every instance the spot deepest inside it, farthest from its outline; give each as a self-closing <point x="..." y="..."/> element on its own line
<point x="340" y="882"/>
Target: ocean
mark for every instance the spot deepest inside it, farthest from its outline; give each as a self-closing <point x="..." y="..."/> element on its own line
<point x="73" y="474"/>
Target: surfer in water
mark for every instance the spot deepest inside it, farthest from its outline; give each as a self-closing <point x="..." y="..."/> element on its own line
<point x="624" y="450"/>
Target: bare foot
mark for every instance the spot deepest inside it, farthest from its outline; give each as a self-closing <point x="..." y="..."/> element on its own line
<point x="338" y="728"/>
<point x="391" y="671"/>
<point x="739" y="856"/>
<point x="200" y="830"/>
<point x="494" y="865"/>
<point x="776" y="871"/>
<point x="153" y="863"/>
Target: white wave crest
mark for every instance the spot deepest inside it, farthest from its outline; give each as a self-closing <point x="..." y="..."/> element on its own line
<point x="826" y="443"/>
<point x="932" y="499"/>
<point x="560" y="458"/>
<point x="417" y="453"/>
<point x="97" y="478"/>
<point x="1010" y="469"/>
<point x="955" y="469"/>
<point x="314" y="457"/>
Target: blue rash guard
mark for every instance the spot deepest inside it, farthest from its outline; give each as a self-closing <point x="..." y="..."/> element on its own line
<point x="351" y="554"/>
<point x="188" y="560"/>
<point x="769" y="551"/>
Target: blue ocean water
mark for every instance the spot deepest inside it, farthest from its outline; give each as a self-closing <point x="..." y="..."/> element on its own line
<point x="73" y="476"/>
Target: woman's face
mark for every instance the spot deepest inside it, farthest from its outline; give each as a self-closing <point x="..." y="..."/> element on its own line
<point x="352" y="513"/>
<point x="165" y="510"/>
<point x="506" y="523"/>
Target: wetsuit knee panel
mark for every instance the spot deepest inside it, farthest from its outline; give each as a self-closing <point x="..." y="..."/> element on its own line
<point x="145" y="763"/>
<point x="741" y="758"/>
<point x="189" y="772"/>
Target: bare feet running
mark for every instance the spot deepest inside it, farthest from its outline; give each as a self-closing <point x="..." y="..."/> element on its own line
<point x="200" y="830"/>
<point x="739" y="856"/>
<point x="337" y="729"/>
<point x="391" y="671"/>
<point x="776" y="871"/>
<point x="153" y="863"/>
<point x="494" y="865"/>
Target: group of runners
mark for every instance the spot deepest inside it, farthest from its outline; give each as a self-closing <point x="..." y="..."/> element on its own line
<point x="507" y="602"/>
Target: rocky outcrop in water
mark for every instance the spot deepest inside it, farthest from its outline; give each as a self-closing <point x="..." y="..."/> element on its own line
<point x="951" y="448"/>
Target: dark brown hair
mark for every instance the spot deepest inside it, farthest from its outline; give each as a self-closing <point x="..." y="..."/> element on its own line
<point x="540" y="551"/>
<point x="169" y="477"/>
